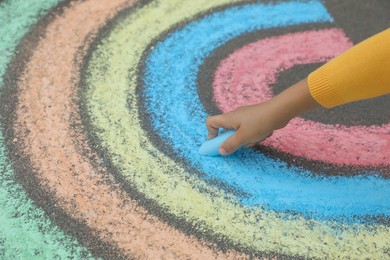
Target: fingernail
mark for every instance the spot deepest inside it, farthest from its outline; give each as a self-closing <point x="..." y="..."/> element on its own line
<point x="208" y="137"/>
<point x="222" y="151"/>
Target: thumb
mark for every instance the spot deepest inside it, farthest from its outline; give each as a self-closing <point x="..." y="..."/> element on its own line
<point x="232" y="143"/>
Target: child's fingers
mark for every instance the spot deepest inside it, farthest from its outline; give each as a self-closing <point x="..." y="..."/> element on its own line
<point x="213" y="123"/>
<point x="259" y="141"/>
<point x="232" y="143"/>
<point x="250" y="145"/>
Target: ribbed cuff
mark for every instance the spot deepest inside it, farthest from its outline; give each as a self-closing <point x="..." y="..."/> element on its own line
<point x="321" y="90"/>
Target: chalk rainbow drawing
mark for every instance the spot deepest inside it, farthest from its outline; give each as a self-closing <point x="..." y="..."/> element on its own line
<point x="103" y="114"/>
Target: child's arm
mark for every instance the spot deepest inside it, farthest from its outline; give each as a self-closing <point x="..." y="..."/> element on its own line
<point x="361" y="72"/>
<point x="256" y="122"/>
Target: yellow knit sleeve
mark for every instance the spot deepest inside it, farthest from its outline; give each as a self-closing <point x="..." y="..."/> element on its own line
<point x="361" y="72"/>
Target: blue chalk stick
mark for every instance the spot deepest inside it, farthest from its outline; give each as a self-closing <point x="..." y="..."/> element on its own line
<point x="210" y="147"/>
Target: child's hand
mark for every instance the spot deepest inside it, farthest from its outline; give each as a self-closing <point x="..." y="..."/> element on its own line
<point x="254" y="123"/>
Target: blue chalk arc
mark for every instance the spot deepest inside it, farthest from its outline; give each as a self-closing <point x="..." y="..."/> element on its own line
<point x="267" y="183"/>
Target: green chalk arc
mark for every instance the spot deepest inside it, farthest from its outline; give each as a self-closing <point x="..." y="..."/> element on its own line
<point x="26" y="232"/>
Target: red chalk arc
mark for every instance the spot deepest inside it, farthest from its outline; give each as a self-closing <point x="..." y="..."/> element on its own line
<point x="235" y="85"/>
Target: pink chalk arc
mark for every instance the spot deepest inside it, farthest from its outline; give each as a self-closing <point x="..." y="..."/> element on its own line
<point x="245" y="76"/>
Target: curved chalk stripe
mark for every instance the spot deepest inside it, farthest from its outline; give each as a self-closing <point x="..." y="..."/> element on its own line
<point x="269" y="183"/>
<point x="113" y="109"/>
<point x="59" y="152"/>
<point x="26" y="231"/>
<point x="235" y="86"/>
